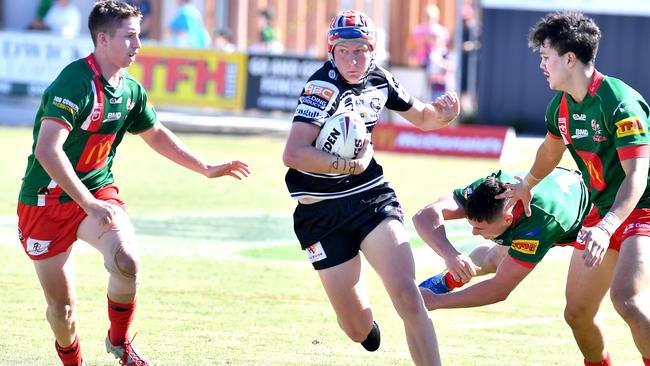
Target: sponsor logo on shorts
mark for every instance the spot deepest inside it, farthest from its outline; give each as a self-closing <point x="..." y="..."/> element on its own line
<point x="37" y="247"/>
<point x="525" y="246"/>
<point x="636" y="227"/>
<point x="629" y="126"/>
<point x="315" y="252"/>
<point x="20" y="235"/>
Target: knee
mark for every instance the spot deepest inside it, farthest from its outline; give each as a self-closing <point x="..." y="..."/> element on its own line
<point x="628" y="305"/>
<point x="123" y="263"/>
<point x="494" y="258"/>
<point x="357" y="334"/>
<point x="575" y="315"/>
<point x="61" y="313"/>
<point x="408" y="302"/>
<point x="356" y="329"/>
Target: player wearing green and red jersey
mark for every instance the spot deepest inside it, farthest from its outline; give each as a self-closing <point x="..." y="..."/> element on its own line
<point x="558" y="208"/>
<point x="97" y="115"/>
<point x="68" y="191"/>
<point x="604" y="125"/>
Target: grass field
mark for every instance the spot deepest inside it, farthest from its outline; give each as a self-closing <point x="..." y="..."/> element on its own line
<point x="224" y="282"/>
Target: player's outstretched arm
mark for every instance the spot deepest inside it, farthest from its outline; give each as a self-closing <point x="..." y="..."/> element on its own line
<point x="437" y="114"/>
<point x="547" y="158"/>
<point x="496" y="289"/>
<point x="164" y="142"/>
<point x="429" y="224"/>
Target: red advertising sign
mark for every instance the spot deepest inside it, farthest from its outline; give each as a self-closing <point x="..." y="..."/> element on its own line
<point x="467" y="141"/>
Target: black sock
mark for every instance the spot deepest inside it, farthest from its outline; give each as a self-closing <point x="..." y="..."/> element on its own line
<point x="372" y="341"/>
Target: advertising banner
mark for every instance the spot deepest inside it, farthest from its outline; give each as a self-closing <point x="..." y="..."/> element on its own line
<point x="275" y="82"/>
<point x="30" y="61"/>
<point x="186" y="77"/>
<point x="467" y="141"/>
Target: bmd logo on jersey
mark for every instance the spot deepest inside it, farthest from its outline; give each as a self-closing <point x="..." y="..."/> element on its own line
<point x="525" y="246"/>
<point x="629" y="126"/>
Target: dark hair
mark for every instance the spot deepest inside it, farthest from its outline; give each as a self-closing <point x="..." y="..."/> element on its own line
<point x="266" y="13"/>
<point x="567" y="32"/>
<point x="108" y="15"/>
<point x="481" y="204"/>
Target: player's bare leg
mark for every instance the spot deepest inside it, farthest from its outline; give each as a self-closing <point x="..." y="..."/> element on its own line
<point x="346" y="292"/>
<point x="387" y="249"/>
<point x="488" y="257"/>
<point x="630" y="292"/>
<point x="117" y="243"/>
<point x="56" y="275"/>
<point x="585" y="290"/>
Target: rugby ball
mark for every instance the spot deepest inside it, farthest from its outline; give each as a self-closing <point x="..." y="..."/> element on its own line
<point x="342" y="135"/>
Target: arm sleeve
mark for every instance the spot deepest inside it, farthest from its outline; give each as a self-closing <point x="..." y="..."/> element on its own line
<point x="399" y="98"/>
<point x="143" y="112"/>
<point x="630" y="129"/>
<point x="550" y="118"/>
<point x="65" y="101"/>
<point x="531" y="242"/>
<point x="317" y="102"/>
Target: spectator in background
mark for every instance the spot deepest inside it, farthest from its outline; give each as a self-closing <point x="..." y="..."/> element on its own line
<point x="187" y="27"/>
<point x="441" y="68"/>
<point x="41" y="11"/>
<point x="469" y="58"/>
<point x="423" y="38"/>
<point x="268" y="36"/>
<point x="145" y="8"/>
<point x="63" y="18"/>
<point x="223" y="41"/>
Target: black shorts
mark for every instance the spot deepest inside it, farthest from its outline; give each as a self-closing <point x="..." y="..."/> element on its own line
<point x="331" y="231"/>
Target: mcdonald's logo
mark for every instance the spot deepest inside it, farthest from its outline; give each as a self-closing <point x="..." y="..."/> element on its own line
<point x="594" y="167"/>
<point x="95" y="153"/>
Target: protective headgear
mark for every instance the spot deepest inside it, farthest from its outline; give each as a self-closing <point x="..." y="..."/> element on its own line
<point x="350" y="25"/>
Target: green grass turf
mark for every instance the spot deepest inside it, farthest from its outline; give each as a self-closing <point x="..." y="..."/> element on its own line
<point x="224" y="283"/>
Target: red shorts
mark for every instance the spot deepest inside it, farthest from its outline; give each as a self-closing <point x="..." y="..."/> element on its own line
<point x="45" y="231"/>
<point x="637" y="223"/>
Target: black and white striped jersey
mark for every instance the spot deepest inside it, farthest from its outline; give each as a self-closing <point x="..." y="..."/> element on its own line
<point x="327" y="94"/>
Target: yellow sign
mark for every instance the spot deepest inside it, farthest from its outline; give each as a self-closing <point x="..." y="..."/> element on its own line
<point x="187" y="77"/>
